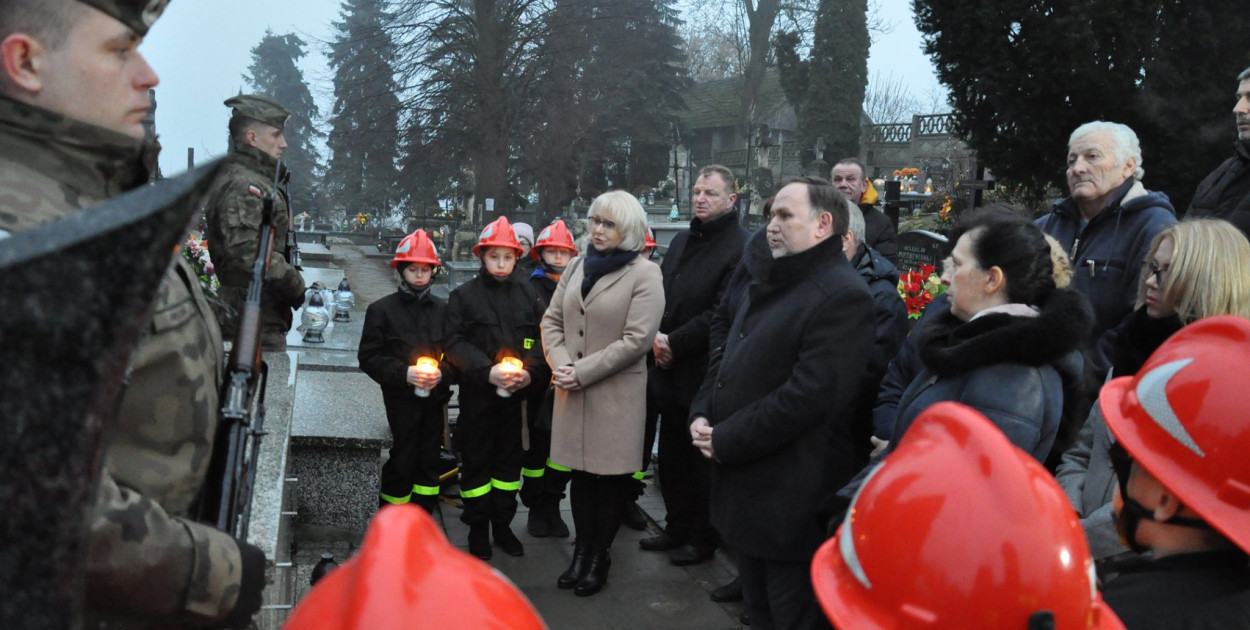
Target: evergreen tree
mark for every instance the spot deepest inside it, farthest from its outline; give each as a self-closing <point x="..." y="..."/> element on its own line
<point x="275" y="72"/>
<point x="472" y="64"/>
<point x="827" y="90"/>
<point x="364" y="124"/>
<point x="611" y="122"/>
<point x="1023" y="74"/>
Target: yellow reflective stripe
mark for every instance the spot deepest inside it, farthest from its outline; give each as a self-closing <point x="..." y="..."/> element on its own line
<point x="425" y="491"/>
<point x="639" y="475"/>
<point x="395" y="500"/>
<point x="554" y="466"/>
<point x="475" y="492"/>
<point x="532" y="473"/>
<point x="506" y="485"/>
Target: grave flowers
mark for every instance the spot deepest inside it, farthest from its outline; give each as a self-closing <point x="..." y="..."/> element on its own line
<point x="195" y="251"/>
<point x="917" y="287"/>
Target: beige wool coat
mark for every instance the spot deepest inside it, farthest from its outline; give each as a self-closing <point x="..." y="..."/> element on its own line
<point x="606" y="337"/>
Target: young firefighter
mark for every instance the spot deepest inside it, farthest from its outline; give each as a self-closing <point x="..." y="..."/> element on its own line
<point x="545" y="480"/>
<point x="489" y="319"/>
<point x="399" y="329"/>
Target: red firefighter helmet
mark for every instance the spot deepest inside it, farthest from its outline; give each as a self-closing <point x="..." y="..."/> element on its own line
<point x="415" y="248"/>
<point x="959" y="529"/>
<point x="406" y="574"/>
<point x="498" y="233"/>
<point x="1183" y="418"/>
<point x="554" y="235"/>
<point x="650" y="244"/>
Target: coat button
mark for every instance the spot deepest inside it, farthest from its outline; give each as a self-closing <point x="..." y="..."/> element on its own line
<point x="742" y="335"/>
<point x="720" y="385"/>
<point x="581" y="334"/>
<point x="579" y="355"/>
<point x="581" y="311"/>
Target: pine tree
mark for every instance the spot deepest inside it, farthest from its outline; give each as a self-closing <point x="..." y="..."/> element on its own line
<point x="827" y="89"/>
<point x="275" y="72"/>
<point x="1023" y="74"/>
<point x="613" y="79"/>
<point x="364" y="123"/>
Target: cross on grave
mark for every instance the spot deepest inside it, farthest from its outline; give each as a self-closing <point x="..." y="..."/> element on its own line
<point x="976" y="186"/>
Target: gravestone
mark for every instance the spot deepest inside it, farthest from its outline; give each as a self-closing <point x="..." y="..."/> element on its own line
<point x="920" y="247"/>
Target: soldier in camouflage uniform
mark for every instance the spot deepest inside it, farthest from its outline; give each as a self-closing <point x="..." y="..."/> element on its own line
<point x="233" y="215"/>
<point x="67" y="143"/>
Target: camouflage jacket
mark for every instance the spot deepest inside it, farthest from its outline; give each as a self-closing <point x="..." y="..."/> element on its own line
<point x="232" y="213"/>
<point x="148" y="565"/>
<point x="51" y="166"/>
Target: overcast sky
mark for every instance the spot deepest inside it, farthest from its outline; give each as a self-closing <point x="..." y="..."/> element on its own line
<point x="201" y="51"/>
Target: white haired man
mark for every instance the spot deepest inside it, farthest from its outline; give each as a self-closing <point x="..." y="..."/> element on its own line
<point x="1106" y="225"/>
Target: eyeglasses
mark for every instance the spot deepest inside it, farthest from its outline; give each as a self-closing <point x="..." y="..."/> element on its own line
<point x="1151" y="268"/>
<point x="597" y="222"/>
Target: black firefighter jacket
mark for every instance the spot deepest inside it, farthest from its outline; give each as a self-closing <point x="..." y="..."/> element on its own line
<point x="489" y="319"/>
<point x="694" y="281"/>
<point x="780" y="394"/>
<point x="399" y="329"/>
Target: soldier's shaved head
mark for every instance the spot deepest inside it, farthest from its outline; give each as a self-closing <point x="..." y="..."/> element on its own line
<point x="49" y="21"/>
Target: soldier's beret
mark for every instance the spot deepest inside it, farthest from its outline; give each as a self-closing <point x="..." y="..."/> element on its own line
<point x="137" y="14"/>
<point x="259" y="108"/>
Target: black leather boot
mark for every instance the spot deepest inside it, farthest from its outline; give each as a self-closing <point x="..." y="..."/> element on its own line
<point x="581" y="559"/>
<point x="596" y="574"/>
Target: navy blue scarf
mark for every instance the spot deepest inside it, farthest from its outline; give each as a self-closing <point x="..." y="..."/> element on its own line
<point x="599" y="264"/>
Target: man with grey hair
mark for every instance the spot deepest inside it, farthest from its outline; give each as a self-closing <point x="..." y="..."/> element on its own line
<point x="1106" y="225"/>
<point x="1225" y="193"/>
<point x="774" y="413"/>
<point x="882" y="278"/>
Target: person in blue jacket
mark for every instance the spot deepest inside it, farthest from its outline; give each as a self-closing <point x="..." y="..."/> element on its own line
<point x="1106" y="225"/>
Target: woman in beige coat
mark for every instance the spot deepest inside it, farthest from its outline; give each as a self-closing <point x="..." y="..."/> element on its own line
<point x="596" y="334"/>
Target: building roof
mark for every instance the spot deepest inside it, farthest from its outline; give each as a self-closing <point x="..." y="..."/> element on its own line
<point x="717" y="103"/>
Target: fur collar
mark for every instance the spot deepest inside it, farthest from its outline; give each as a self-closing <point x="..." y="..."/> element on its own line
<point x="950" y="346"/>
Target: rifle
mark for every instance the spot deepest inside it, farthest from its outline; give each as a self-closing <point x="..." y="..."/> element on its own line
<point x="292" y="243"/>
<point x="226" y="501"/>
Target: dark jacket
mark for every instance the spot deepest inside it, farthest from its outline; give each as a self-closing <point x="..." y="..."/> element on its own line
<point x="694" y="282"/>
<point x="398" y="329"/>
<point x="487" y="320"/>
<point x="780" y="394"/>
<point x="892" y="328"/>
<point x="900" y="372"/>
<point x="1225" y="193"/>
<point x="1107" y="255"/>
<point x="880" y="233"/>
<point x="1200" y="591"/>
<point x="1020" y="372"/>
<point x="544" y="285"/>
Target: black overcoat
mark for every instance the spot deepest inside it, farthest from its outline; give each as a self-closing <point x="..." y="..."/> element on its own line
<point x="696" y="271"/>
<point x="798" y="331"/>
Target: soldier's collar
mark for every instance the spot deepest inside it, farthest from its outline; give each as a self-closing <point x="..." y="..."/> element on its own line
<point x="87" y="155"/>
<point x="254" y="158"/>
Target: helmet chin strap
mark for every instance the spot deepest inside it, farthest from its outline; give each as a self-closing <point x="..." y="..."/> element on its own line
<point x="1133" y="513"/>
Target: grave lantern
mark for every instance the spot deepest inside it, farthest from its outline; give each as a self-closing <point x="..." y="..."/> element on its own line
<point x="344" y="300"/>
<point x="315" y="319"/>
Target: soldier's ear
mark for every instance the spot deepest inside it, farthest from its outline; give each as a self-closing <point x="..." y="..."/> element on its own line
<point x="21" y="61"/>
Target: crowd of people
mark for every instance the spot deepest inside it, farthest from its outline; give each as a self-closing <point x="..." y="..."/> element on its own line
<point x="1057" y="443"/>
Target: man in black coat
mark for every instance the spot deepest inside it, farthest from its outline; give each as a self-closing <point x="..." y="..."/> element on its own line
<point x="851" y="179"/>
<point x="1225" y="193"/>
<point x="775" y="409"/>
<point x="696" y="269"/>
